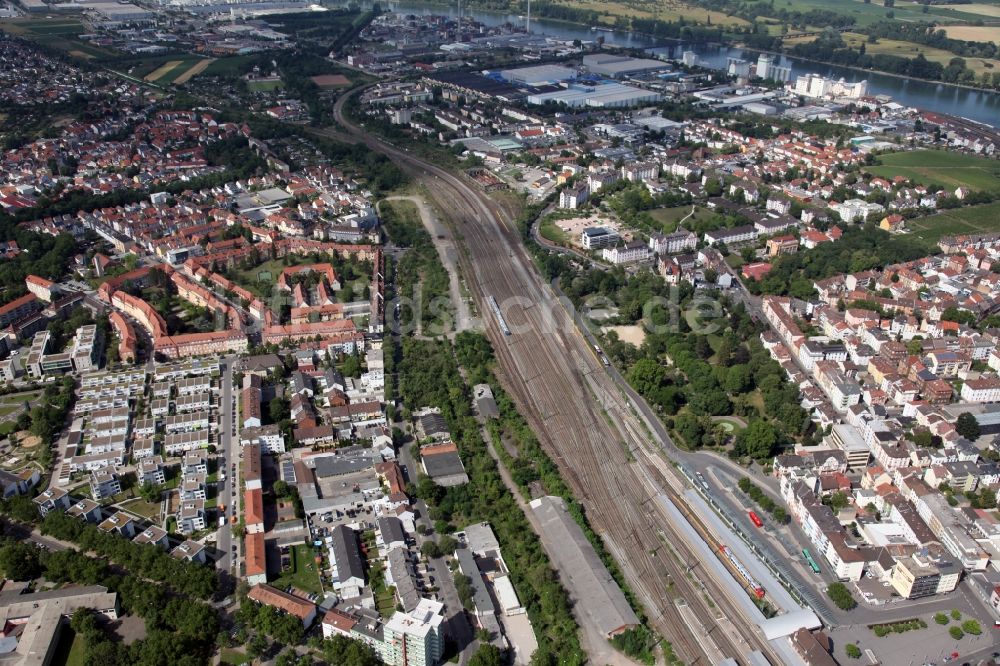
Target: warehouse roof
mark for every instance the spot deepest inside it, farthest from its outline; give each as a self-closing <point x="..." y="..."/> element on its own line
<point x="588" y="581"/>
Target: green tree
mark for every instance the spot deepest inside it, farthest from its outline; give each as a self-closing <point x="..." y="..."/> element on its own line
<point x="967" y="426"/>
<point x="941" y="618"/>
<point x="972" y="627"/>
<point x="19" y="561"/>
<point x="758" y="440"/>
<point x="852" y="651"/>
<point x="841" y="596"/>
<point x="956" y="633"/>
<point x="487" y="655"/>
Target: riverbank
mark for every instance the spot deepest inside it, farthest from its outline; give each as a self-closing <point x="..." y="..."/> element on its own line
<point x="980" y="105"/>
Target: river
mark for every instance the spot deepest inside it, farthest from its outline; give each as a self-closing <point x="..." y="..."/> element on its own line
<point x="982" y="106"/>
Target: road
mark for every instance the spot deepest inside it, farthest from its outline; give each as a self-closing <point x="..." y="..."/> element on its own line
<point x="573" y="405"/>
<point x="228" y="449"/>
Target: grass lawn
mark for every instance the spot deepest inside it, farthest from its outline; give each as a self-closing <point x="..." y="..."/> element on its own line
<point x="550" y="231"/>
<point x="260" y="279"/>
<point x="71" y="648"/>
<point x="970" y="220"/>
<point x="18" y="398"/>
<point x="232" y="66"/>
<point x="263" y="86"/>
<point x="7" y="410"/>
<point x="866" y="14"/>
<point x="143" y="508"/>
<point x="234" y="658"/>
<point x="670" y="10"/>
<point x="947" y="169"/>
<point x="303" y="573"/>
<point x="912" y="49"/>
<point x="668" y="218"/>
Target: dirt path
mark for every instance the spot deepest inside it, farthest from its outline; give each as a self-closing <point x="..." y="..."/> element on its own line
<point x="449" y="257"/>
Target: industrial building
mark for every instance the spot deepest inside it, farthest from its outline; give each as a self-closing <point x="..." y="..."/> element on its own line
<point x="597" y="95"/>
<point x="619" y="67"/>
<point x="594" y="591"/>
<point x="540" y="75"/>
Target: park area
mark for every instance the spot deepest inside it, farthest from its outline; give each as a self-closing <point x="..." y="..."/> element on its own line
<point x="947" y="169"/>
<point x="969" y="220"/>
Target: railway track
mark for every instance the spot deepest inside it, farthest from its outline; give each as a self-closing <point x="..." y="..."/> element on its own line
<point x="576" y="411"/>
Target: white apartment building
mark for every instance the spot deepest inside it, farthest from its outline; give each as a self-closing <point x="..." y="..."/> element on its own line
<point x="415" y="638"/>
<point x="675" y="243"/>
<point x="630" y="253"/>
<point x="984" y="389"/>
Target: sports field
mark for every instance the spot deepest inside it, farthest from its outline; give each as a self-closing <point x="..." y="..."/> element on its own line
<point x="265" y="86"/>
<point x="948" y="169"/>
<point x="971" y="220"/>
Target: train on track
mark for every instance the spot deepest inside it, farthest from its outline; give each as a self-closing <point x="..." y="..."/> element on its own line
<point x="499" y="315"/>
<point x="752" y="585"/>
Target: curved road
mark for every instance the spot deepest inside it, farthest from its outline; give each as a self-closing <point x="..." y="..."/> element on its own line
<point x="578" y="413"/>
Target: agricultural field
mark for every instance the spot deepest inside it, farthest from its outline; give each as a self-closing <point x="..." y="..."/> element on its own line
<point x="331" y="80"/>
<point x="868" y="13"/>
<point x="668" y="10"/>
<point x="162" y="71"/>
<point x="912" y="49"/>
<point x="57" y="33"/>
<point x="974" y="33"/>
<point x="983" y="9"/>
<point x="971" y="220"/>
<point x="948" y="169"/>
<point x="193" y="71"/>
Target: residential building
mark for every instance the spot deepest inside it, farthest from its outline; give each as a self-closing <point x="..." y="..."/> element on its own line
<point x="630" y="253"/>
<point x="675" y="243"/>
<point x="53" y="499"/>
<point x="290" y="604"/>
<point x="574" y="196"/>
<point x="983" y="389"/>
<point x="415" y="638"/>
<point x="103" y="484"/>
<point x="595" y="238"/>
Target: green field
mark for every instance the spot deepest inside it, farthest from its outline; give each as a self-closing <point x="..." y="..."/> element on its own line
<point x="71" y="650"/>
<point x="971" y="220"/>
<point x="303" y="573"/>
<point x="263" y="86"/>
<point x="668" y="218"/>
<point x="143" y="508"/>
<point x="58" y="33"/>
<point x="867" y="14"/>
<point x="950" y="170"/>
<point x="551" y="232"/>
<point x="234" y="658"/>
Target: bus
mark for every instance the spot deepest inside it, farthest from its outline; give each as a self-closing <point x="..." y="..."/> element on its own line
<point x="755" y="519"/>
<point x="810" y="561"/>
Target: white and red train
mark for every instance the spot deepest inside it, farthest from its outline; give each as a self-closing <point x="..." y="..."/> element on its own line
<point x="751" y="583"/>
